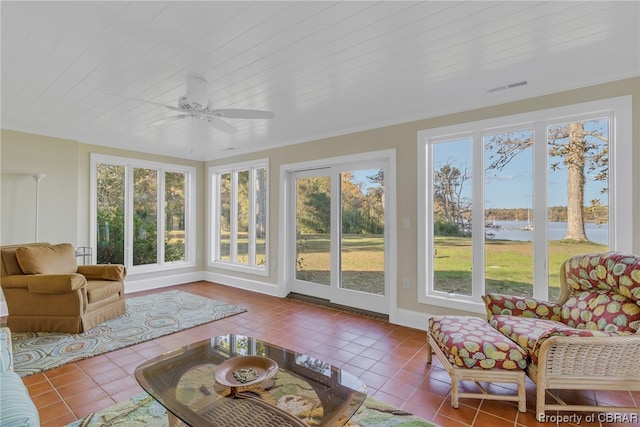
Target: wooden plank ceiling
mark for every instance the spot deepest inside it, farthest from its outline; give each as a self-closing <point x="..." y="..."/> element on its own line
<point x="324" y="68"/>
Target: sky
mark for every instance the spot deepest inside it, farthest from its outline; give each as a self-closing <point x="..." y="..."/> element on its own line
<point x="512" y="187"/>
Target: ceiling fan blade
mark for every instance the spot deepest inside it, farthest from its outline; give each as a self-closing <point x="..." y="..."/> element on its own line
<point x="241" y="113"/>
<point x="146" y="102"/>
<point x="221" y="125"/>
<point x="168" y="119"/>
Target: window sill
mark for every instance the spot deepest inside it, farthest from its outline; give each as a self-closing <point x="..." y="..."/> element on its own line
<point x="154" y="268"/>
<point x="453" y="302"/>
<point x="239" y="268"/>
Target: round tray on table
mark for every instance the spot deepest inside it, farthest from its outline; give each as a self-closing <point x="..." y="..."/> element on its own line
<point x="231" y="371"/>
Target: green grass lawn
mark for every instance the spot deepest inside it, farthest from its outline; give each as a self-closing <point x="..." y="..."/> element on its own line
<point x="508" y="264"/>
<point x="362" y="261"/>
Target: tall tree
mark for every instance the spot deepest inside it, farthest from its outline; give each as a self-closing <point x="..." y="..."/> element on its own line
<point x="313" y="202"/>
<point x="581" y="150"/>
<point x="261" y="203"/>
<point x="448" y="187"/>
<point x="378" y="189"/>
<point x="579" y="146"/>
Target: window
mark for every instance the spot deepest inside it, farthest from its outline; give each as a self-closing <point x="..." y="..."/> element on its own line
<point x="239" y="216"/>
<point x="141" y="214"/>
<point x="503" y="202"/>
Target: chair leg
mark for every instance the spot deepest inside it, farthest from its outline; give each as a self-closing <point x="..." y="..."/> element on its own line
<point x="540" y="401"/>
<point x="455" y="398"/>
<point x="522" y="394"/>
<point x="429" y="351"/>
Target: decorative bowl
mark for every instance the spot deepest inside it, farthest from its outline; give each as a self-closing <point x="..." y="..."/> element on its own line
<point x="243" y="371"/>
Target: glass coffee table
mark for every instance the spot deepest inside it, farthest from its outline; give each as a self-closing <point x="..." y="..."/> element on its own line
<point x="286" y="388"/>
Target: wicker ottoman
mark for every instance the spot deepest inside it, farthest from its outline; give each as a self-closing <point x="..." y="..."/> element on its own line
<point x="470" y="349"/>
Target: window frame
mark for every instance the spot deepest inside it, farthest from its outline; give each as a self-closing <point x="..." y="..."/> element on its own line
<point x="619" y="110"/>
<point x="190" y="212"/>
<point x="214" y="174"/>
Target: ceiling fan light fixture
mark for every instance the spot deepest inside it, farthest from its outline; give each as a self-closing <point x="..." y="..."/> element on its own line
<point x="197" y="105"/>
<point x="197" y="94"/>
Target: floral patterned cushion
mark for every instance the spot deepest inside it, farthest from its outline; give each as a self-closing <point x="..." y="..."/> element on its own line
<point x="470" y="342"/>
<point x="521" y="306"/>
<point x="606" y="292"/>
<point x="530" y="333"/>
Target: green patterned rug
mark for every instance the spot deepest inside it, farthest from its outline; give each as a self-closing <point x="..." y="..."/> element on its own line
<point x="143" y="411"/>
<point x="147" y="318"/>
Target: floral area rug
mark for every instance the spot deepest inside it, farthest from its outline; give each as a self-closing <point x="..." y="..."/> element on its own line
<point x="147" y="318"/>
<point x="285" y="391"/>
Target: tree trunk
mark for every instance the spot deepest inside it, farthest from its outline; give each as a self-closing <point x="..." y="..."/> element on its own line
<point x="575" y="161"/>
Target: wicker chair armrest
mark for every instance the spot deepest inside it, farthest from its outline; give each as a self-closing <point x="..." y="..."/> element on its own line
<point x="512" y="305"/>
<point x="587" y="358"/>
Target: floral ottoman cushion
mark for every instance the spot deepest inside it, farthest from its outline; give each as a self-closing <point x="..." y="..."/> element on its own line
<point x="470" y="342"/>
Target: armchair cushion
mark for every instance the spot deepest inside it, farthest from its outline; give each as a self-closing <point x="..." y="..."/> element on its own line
<point x="45" y="283"/>
<point x="103" y="290"/>
<point x="606" y="292"/>
<point x="49" y="259"/>
<point x="55" y="283"/>
<point x="531" y="333"/>
<point x="512" y="305"/>
<point x="115" y="272"/>
<point x="601" y="311"/>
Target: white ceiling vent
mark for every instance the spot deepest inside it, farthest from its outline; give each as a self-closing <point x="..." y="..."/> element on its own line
<point x="509" y="86"/>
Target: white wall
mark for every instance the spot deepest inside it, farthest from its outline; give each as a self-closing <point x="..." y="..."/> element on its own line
<point x="22" y="156"/>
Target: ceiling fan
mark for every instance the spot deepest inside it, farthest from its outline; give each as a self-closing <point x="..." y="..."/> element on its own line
<point x="197" y="105"/>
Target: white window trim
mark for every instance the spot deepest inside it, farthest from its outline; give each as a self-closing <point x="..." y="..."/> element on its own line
<point x="214" y="218"/>
<point x="190" y="214"/>
<point x="620" y="160"/>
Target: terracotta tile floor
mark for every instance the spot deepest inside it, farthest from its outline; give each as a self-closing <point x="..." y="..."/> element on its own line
<point x="390" y="359"/>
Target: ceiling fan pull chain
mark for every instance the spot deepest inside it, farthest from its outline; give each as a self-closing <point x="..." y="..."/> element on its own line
<point x="192" y="142"/>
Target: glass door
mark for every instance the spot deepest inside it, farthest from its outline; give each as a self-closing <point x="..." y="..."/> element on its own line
<point x="340" y="247"/>
<point x="312" y="275"/>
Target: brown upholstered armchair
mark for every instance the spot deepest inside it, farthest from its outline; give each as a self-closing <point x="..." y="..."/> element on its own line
<point x="47" y="291"/>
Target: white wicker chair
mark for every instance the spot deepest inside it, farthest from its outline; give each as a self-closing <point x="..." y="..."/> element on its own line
<point x="608" y="360"/>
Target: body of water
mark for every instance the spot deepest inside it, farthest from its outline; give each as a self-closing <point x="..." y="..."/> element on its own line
<point x="517" y="230"/>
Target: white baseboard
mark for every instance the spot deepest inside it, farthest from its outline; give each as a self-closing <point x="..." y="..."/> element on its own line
<point x="247" y="284"/>
<point x="397" y="316"/>
<point x="131" y="284"/>
<point x="409" y="318"/>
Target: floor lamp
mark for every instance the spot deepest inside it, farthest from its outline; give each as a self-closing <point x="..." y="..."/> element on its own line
<point x="38" y="177"/>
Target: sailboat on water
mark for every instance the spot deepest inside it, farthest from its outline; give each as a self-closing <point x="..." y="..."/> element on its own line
<point x="529" y="226"/>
